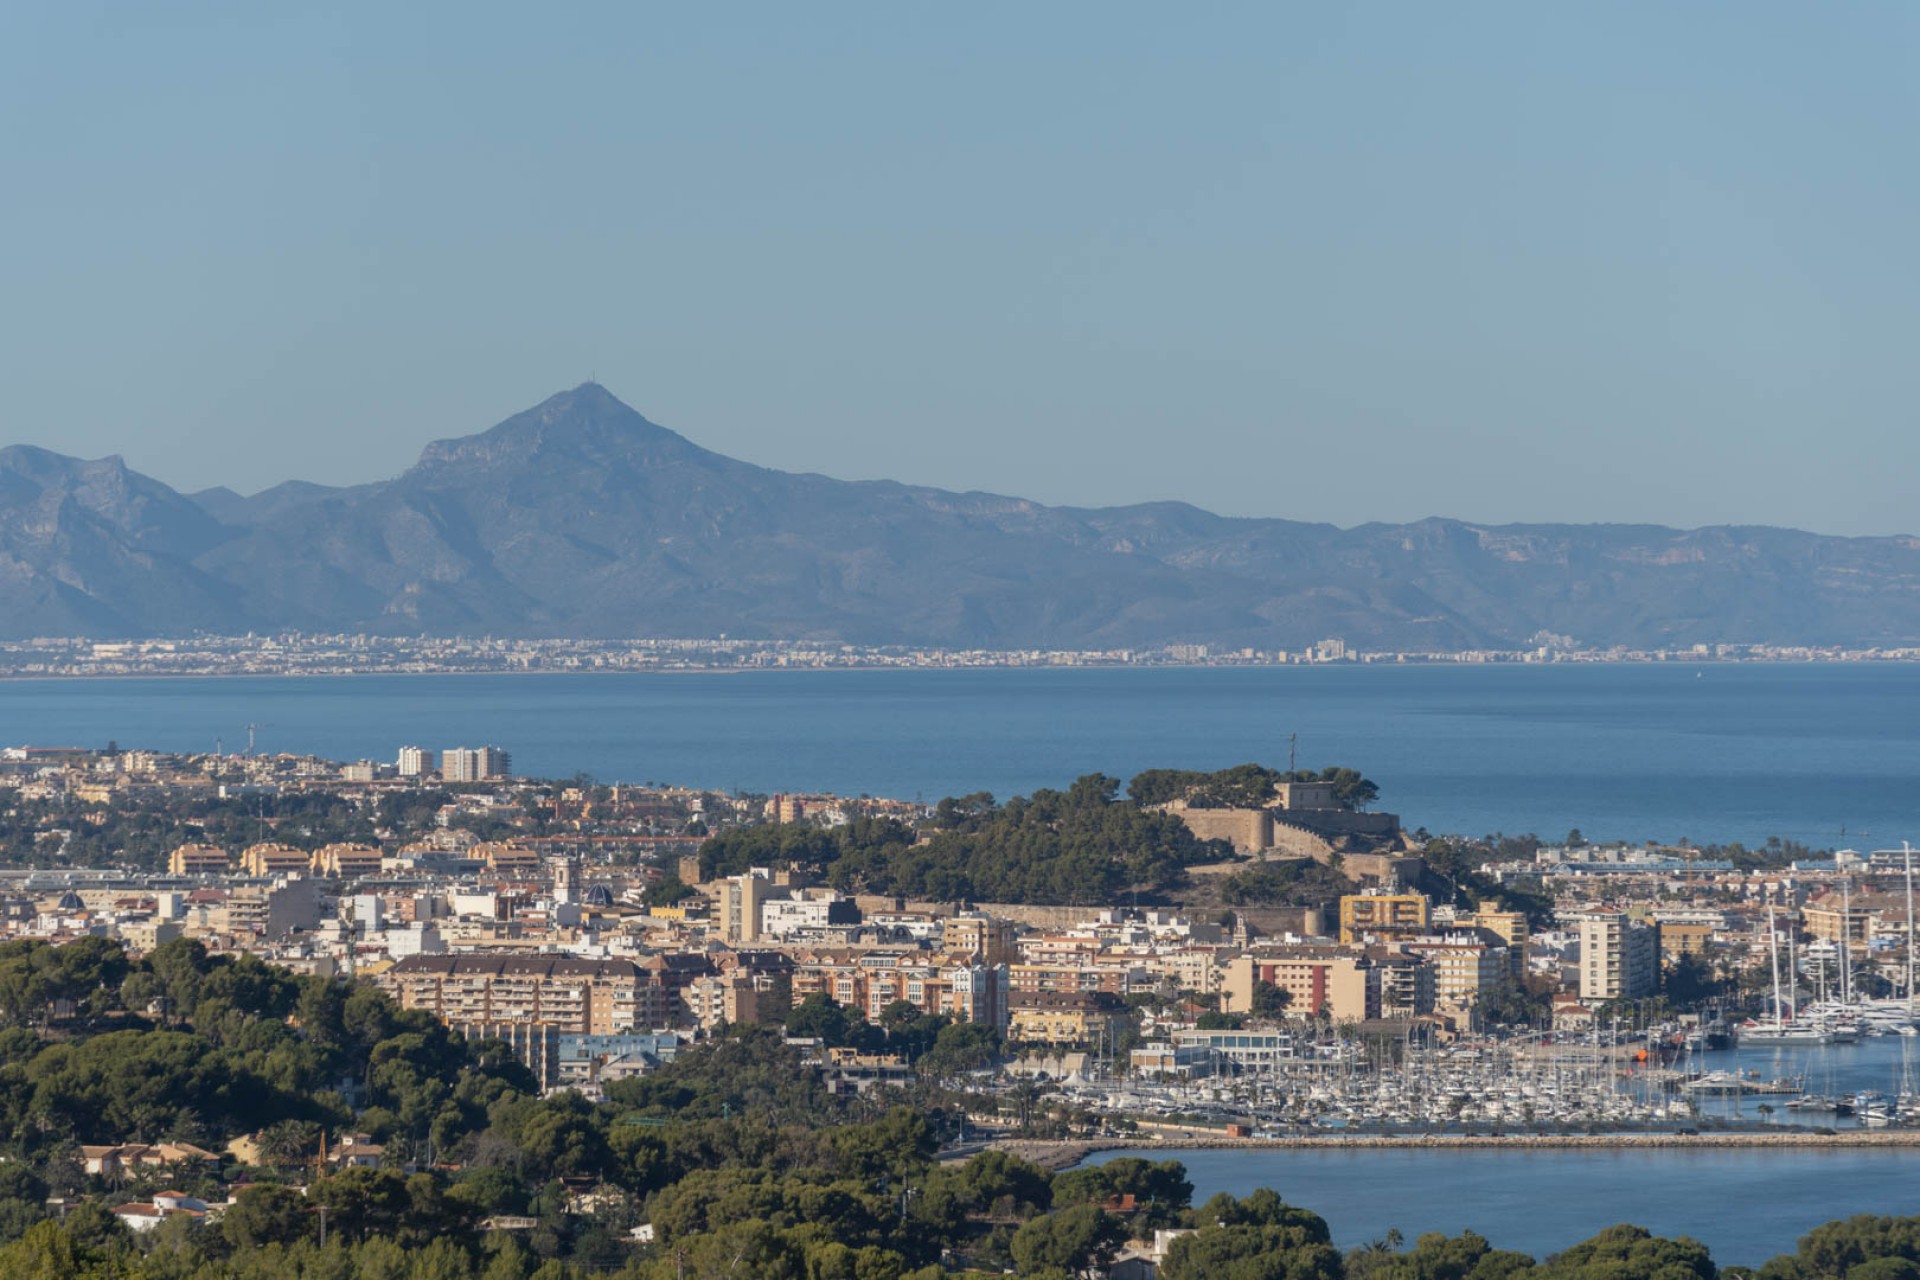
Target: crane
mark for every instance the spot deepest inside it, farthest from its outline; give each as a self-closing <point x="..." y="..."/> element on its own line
<point x="251" y="726"/>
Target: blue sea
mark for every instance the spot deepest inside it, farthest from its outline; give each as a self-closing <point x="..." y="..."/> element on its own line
<point x="1825" y="754"/>
<point x="1744" y="1204"/>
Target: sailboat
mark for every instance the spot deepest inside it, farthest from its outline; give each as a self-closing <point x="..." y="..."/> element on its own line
<point x="1778" y="1029"/>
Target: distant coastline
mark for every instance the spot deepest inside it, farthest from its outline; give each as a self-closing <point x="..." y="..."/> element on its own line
<point x="362" y="655"/>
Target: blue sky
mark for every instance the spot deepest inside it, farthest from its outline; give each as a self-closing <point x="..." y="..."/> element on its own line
<point x="1504" y="262"/>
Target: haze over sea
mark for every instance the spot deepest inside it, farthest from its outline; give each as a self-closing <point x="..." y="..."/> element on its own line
<point x="1825" y="754"/>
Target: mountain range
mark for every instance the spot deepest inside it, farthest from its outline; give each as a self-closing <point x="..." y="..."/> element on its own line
<point x="581" y="518"/>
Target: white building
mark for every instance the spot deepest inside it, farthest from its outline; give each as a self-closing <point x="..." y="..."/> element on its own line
<point x="475" y="764"/>
<point x="1619" y="958"/>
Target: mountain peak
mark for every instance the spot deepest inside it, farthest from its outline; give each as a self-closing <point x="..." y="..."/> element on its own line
<point x="586" y="424"/>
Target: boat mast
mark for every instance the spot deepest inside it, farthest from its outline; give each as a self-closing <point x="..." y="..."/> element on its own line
<point x="1846" y="941"/>
<point x="1773" y="961"/>
<point x="1906" y="850"/>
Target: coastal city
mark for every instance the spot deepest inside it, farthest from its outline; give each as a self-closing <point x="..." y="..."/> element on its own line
<point x="297" y="653"/>
<point x="790" y="642"/>
<point x="1309" y="966"/>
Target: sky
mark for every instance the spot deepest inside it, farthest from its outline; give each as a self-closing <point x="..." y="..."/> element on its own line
<point x="1505" y="262"/>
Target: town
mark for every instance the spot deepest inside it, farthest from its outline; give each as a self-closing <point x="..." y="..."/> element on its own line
<point x="1247" y="982"/>
<point x="297" y="653"/>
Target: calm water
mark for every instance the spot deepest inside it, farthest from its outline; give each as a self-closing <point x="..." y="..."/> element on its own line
<point x="1823" y="754"/>
<point x="1744" y="1205"/>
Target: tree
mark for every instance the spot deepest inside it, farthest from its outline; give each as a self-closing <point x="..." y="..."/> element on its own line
<point x="263" y="1215"/>
<point x="1350" y="789"/>
<point x="960" y="1047"/>
<point x="1079" y="1241"/>
<point x="1258" y="1238"/>
<point x="1630" y="1251"/>
<point x="1270" y="1001"/>
<point x="820" y="1017"/>
<point x="1841" y="1250"/>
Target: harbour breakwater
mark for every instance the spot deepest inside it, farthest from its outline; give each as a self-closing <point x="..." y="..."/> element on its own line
<point x="1057" y="1155"/>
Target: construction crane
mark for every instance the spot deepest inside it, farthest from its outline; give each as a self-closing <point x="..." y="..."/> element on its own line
<point x="250" y="731"/>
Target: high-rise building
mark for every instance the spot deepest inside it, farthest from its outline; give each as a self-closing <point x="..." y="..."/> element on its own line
<point x="475" y="764"/>
<point x="1619" y="958"/>
<point x="415" y="762"/>
<point x="741" y="901"/>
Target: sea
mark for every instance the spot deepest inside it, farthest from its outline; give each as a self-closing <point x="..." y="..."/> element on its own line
<point x="1745" y="1204"/>
<point x="1826" y="755"/>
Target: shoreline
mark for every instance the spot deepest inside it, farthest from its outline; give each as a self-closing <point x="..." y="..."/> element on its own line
<point x="854" y="667"/>
<point x="1065" y="1154"/>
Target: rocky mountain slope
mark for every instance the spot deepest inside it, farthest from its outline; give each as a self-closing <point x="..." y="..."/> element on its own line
<point x="581" y="518"/>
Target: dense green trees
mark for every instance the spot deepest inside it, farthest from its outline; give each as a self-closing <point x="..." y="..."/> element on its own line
<point x="1864" y="1247"/>
<point x="1436" y="1256"/>
<point x="1078" y="846"/>
<point x="1624" y="1251"/>
<point x="1258" y="1238"/>
<point x="1245" y="786"/>
<point x="1289" y="882"/>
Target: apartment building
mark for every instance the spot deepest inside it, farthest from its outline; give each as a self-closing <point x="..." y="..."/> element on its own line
<point x="980" y="937"/>
<point x="507" y="859"/>
<point x="1065" y="1017"/>
<point x="1407" y="983"/>
<point x="1381" y="915"/>
<point x="1619" y="958"/>
<point x="1116" y="976"/>
<point x="595" y="997"/>
<point x="415" y="762"/>
<point x="1465" y="969"/>
<point x="1320" y="981"/>
<point x="198" y="860"/>
<point x="269" y="859"/>
<point x="475" y="764"/>
<point x="346" y="861"/>
<point x="743" y="899"/>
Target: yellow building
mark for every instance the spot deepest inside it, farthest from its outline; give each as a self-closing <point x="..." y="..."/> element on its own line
<point x="1833" y="920"/>
<point x="1065" y="1017"/>
<point x="269" y="859"/>
<point x="507" y="859"/>
<point x="1684" y="938"/>
<point x="1510" y="926"/>
<point x="346" y="861"/>
<point x="978" y="936"/>
<point x="198" y="860"/>
<point x="1381" y="915"/>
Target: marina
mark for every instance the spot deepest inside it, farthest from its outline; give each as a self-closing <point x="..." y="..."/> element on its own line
<point x="1524" y="1087"/>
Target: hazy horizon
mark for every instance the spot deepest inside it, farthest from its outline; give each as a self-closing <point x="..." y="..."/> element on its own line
<point x="1511" y="265"/>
